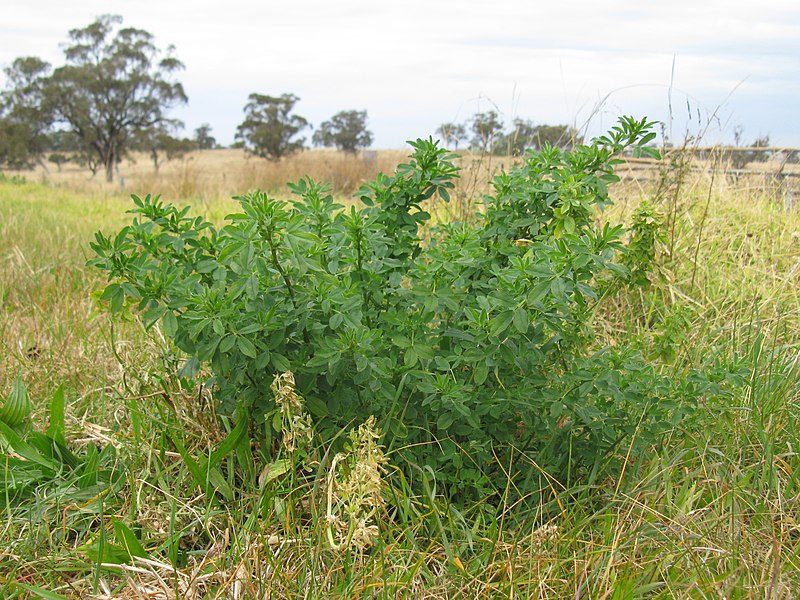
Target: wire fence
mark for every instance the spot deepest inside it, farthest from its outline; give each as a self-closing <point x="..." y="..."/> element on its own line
<point x="769" y="171"/>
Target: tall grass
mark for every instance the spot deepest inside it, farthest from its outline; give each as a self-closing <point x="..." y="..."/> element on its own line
<point x="713" y="514"/>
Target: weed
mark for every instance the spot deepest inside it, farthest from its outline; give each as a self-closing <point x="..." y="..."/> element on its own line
<point x="473" y="344"/>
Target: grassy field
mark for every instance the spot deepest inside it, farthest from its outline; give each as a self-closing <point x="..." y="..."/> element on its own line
<point x="213" y="174"/>
<point x="714" y="513"/>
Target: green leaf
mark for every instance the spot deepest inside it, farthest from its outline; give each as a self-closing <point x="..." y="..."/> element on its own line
<point x="401" y="341"/>
<point x="480" y="373"/>
<point x="444" y="421"/>
<point x="410" y="358"/>
<point x="317" y="407"/>
<point x="227" y="343"/>
<point x="17" y="406"/>
<point x="499" y="324"/>
<point x="128" y="540"/>
<point x="521" y="320"/>
<point x="247" y="347"/>
<point x="117" y="299"/>
<point x="336" y="320"/>
<point x="25" y="450"/>
<point x="424" y="351"/>
<point x="40" y="592"/>
<point x="280" y="362"/>
<point x="539" y="291"/>
<point x="169" y="322"/>
<point x="274" y="470"/>
<point x="237" y="436"/>
<point x="56" y="429"/>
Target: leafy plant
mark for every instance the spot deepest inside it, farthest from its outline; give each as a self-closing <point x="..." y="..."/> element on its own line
<point x="647" y="232"/>
<point x="17" y="406"/>
<point x="474" y="350"/>
<point x="32" y="462"/>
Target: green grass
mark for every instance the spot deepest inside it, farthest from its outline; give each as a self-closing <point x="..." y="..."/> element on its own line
<point x="714" y="513"/>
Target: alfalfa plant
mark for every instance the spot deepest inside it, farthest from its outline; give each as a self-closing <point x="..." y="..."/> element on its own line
<point x="475" y="350"/>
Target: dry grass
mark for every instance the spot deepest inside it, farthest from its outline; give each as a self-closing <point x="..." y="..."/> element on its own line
<point x="213" y="174"/>
<point x="206" y="176"/>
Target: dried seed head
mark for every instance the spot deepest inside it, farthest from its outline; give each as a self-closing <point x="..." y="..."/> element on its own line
<point x="286" y="397"/>
<point x="295" y="422"/>
<point x="357" y="492"/>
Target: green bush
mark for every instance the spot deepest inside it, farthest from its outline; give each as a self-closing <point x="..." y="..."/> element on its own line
<point x="474" y="349"/>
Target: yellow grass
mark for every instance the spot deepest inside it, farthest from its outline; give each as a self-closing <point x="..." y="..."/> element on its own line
<point x="211" y="174"/>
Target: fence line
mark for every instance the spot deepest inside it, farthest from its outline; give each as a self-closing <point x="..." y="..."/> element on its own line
<point x="779" y="181"/>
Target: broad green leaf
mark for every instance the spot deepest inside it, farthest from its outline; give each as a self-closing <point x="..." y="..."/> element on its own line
<point x="317" y="407"/>
<point x="521" y="320"/>
<point x="274" y="470"/>
<point x="17" y="406"/>
<point x="480" y="373"/>
<point x="444" y="421"/>
<point x="237" y="436"/>
<point x="128" y="540"/>
<point x="280" y="362"/>
<point x="56" y="429"/>
<point x="247" y="347"/>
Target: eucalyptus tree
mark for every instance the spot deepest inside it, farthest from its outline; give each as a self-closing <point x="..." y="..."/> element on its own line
<point x="270" y="129"/>
<point x="25" y="113"/>
<point x="486" y="127"/>
<point x="452" y="133"/>
<point x="346" y="130"/>
<point x="116" y="86"/>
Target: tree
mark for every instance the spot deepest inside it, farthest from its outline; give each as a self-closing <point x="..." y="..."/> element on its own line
<point x="486" y="128"/>
<point x="346" y="130"/>
<point x="25" y="113"/>
<point x="162" y="146"/>
<point x="269" y="128"/>
<point x="451" y="134"/>
<point x="113" y="87"/>
<point x="203" y="138"/>
<point x="518" y="140"/>
<point x="558" y="136"/>
<point x="761" y="141"/>
<point x="525" y="136"/>
<point x="58" y="159"/>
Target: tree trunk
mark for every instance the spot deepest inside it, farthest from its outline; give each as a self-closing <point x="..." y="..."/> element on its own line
<point x="111" y="161"/>
<point x="43" y="164"/>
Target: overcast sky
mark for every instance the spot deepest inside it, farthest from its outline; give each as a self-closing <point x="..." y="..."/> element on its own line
<point x="413" y="64"/>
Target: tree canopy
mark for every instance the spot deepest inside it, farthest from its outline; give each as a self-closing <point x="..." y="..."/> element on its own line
<point x="115" y="87"/>
<point x="269" y="129"/>
<point x="486" y="128"/>
<point x="346" y="130"/>
<point x="203" y="138"/>
<point x="25" y="114"/>
<point x="527" y="136"/>
<point x="452" y="134"/>
<point x="488" y="134"/>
